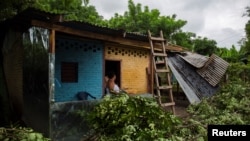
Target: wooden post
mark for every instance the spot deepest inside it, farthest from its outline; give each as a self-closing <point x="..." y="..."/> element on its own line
<point x="51" y="76"/>
<point x="52" y="41"/>
<point x="152" y="74"/>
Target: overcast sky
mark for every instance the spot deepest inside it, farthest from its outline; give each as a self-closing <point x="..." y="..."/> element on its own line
<point x="219" y="20"/>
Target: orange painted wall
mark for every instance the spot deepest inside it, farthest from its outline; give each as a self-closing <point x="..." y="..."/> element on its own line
<point x="134" y="62"/>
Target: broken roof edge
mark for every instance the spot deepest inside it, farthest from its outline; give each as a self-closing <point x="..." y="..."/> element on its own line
<point x="192" y="83"/>
<point x="194" y="59"/>
<point x="191" y="96"/>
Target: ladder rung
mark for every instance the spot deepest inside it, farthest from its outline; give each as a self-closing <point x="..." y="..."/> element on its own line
<point x="168" y="104"/>
<point x="165" y="87"/>
<point x="161" y="70"/>
<point x="160" y="62"/>
<point x="160" y="54"/>
<point x="157" y="39"/>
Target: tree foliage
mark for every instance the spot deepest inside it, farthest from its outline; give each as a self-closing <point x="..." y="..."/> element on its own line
<point x="247" y="29"/>
<point x="230" y="55"/>
<point x="239" y="72"/>
<point x="229" y="106"/>
<point x="20" y="134"/>
<point x="9" y="8"/>
<point x="140" y="20"/>
<point x="204" y="46"/>
<point x="184" y="39"/>
<point x="245" y="47"/>
<point x="72" y="9"/>
<point x="227" y="54"/>
<point x="126" y="117"/>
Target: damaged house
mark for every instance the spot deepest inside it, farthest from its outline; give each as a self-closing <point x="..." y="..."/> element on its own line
<point x="197" y="75"/>
<point x="46" y="62"/>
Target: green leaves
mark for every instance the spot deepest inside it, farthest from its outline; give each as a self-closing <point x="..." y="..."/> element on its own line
<point x="132" y="118"/>
<point x="140" y="20"/>
<point x="21" y="134"/>
<point x="229" y="106"/>
<point x="204" y="46"/>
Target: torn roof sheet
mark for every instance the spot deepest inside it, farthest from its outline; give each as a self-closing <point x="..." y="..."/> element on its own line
<point x="213" y="70"/>
<point x="194" y="59"/>
<point x="192" y="83"/>
<point x="210" y="68"/>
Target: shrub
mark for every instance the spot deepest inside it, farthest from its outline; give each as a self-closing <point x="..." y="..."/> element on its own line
<point x="131" y="118"/>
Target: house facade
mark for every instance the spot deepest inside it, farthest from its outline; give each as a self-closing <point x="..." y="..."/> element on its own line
<point x="49" y="61"/>
<point x="46" y="62"/>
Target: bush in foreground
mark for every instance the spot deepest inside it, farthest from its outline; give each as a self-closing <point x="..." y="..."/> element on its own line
<point x="131" y="118"/>
<point x="20" y="134"/>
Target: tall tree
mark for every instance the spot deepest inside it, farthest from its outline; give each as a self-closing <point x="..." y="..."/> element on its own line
<point x="204" y="46"/>
<point x="184" y="39"/>
<point x="245" y="42"/>
<point x="9" y="8"/>
<point x="141" y="20"/>
<point x="247" y="30"/>
<point x="230" y="55"/>
<point x="79" y="10"/>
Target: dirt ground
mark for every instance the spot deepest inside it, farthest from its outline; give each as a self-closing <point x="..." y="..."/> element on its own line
<point x="180" y="107"/>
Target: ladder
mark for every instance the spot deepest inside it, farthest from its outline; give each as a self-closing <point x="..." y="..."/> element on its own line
<point x="160" y="70"/>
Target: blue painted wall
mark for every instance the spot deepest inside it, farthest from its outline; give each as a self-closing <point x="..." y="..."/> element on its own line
<point x="89" y="55"/>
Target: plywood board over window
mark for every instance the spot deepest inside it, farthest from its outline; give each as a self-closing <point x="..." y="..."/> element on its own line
<point x="69" y="72"/>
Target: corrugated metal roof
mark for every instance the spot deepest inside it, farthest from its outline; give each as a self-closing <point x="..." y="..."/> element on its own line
<point x="210" y="68"/>
<point x="104" y="30"/>
<point x="192" y="83"/>
<point x="137" y="36"/>
<point x="24" y="18"/>
<point x="189" y="92"/>
<point x="213" y="70"/>
<point x="194" y="59"/>
<point x="91" y="28"/>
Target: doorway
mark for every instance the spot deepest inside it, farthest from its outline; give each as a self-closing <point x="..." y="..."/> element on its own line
<point x="115" y="66"/>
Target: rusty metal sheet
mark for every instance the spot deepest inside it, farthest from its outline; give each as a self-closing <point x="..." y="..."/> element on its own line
<point x="194" y="59"/>
<point x="213" y="70"/>
<point x="190" y="93"/>
<point x="193" y="85"/>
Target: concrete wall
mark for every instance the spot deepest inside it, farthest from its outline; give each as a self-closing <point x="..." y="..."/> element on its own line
<point x="89" y="55"/>
<point x="133" y="66"/>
